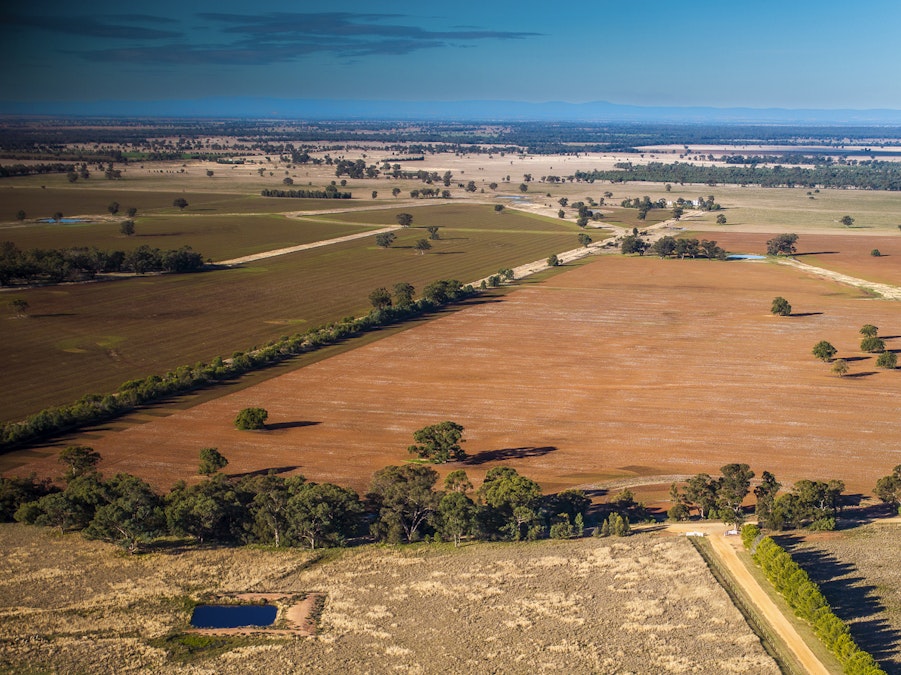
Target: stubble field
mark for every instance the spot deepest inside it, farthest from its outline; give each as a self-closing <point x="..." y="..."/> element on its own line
<point x="620" y="368"/>
<point x="588" y="606"/>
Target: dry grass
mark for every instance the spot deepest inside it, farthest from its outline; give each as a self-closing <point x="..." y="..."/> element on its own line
<point x="644" y="604"/>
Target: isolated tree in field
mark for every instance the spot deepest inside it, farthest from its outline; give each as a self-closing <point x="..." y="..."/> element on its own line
<point x="211" y="461"/>
<point x="847" y="221"/>
<point x="781" y="307"/>
<point x="249" y="419"/>
<point x="210" y="173"/>
<point x="869" y="330"/>
<point x="404" y="219"/>
<point x="872" y="344"/>
<point x="561" y="213"/>
<point x="876" y="253"/>
<point x="20" y="307"/>
<point x="180" y="202"/>
<point x="127" y="227"/>
<point x="403" y="294"/>
<point x="471" y="186"/>
<point x="439" y="443"/>
<point x="404" y="499"/>
<point x="288" y="180"/>
<point x="782" y="244"/>
<point x="422" y="246"/>
<point x="887" y="360"/>
<point x="131" y="211"/>
<point x="20" y="215"/>
<point x="113" y="208"/>
<point x="840" y="367"/>
<point x="380" y="298"/>
<point x="395" y="192"/>
<point x="79" y="460"/>
<point x="824" y="351"/>
<point x="523" y="187"/>
<point x="584" y="239"/>
<point x="433" y="232"/>
<point x="384" y="239"/>
<point x="721" y="219"/>
<point x="498" y="208"/>
<point x="553" y="261"/>
<point x="493" y="186"/>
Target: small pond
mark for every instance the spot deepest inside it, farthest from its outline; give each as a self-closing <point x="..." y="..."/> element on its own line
<point x="233" y="616"/>
<point x="64" y="220"/>
<point x="745" y="256"/>
<point x="514" y="198"/>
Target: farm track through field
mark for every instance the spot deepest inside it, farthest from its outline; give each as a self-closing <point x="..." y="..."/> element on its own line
<point x="884" y="290"/>
<point x="726" y="551"/>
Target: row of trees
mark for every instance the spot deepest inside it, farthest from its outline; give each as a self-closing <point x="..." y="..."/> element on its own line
<point x="808" y="602"/>
<point x="93" y="408"/>
<point x="402" y="504"/>
<point x="685" y="247"/>
<point x="330" y="192"/>
<point x="77" y="264"/>
<point x="869" y="175"/>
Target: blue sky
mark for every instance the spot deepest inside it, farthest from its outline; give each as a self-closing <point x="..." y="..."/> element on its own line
<point x="724" y="53"/>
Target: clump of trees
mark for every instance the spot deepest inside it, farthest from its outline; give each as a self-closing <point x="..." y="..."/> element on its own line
<point x="782" y="244"/>
<point x="330" y="192"/>
<point x="888" y="488"/>
<point x="48" y="266"/>
<point x="685" y="247"/>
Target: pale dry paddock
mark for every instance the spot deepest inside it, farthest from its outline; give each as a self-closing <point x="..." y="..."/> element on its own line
<point x="642" y="604"/>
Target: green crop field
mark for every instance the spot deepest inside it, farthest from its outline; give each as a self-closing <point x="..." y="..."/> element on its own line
<point x="87" y="338"/>
<point x="216" y="237"/>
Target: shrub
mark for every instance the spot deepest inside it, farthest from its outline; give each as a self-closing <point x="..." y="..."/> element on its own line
<point x="251" y="418"/>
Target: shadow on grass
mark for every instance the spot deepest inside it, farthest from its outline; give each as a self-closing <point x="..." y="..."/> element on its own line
<point x="508" y="453"/>
<point x="852" y="599"/>
<point x="801" y="314"/>
<point x="866" y="373"/>
<point x="800" y="255"/>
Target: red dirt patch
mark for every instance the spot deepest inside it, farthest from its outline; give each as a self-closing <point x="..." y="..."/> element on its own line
<point x="621" y="367"/>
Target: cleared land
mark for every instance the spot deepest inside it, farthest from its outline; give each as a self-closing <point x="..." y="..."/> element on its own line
<point x="584" y="606"/>
<point x="859" y="574"/>
<point x="86" y="338"/>
<point x="622" y="367"/>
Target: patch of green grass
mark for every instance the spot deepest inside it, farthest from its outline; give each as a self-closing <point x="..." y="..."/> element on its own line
<point x="190" y="647"/>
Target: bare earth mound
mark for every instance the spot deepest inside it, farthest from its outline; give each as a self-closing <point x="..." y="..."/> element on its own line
<point x="620" y="368"/>
<point x="643" y="604"/>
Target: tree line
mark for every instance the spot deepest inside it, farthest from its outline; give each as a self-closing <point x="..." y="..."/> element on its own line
<point x="402" y="505"/>
<point x="80" y="263"/>
<point x="9" y="170"/>
<point x="868" y="175"/>
<point x="330" y="192"/>
<point x="94" y="408"/>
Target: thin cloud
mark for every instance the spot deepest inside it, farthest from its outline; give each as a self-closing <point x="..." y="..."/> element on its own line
<point x="93" y="26"/>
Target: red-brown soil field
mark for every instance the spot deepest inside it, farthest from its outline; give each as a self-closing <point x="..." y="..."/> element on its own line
<point x="618" y="368"/>
<point x="846" y="254"/>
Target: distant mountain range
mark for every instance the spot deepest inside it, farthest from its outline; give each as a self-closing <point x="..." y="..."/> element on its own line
<point x="483" y="111"/>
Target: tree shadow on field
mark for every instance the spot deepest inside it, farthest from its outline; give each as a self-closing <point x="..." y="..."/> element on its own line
<point x="865" y="373"/>
<point x="265" y="472"/>
<point x="851" y="359"/>
<point x="278" y="426"/>
<point x="852" y="599"/>
<point x="508" y="453"/>
<point x="802" y="314"/>
<point x="799" y="255"/>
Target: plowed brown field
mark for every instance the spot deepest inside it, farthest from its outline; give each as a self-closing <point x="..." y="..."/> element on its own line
<point x="622" y="367"/>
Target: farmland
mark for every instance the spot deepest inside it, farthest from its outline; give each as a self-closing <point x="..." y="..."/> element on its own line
<point x="655" y="368"/>
<point x="586" y="606"/>
<point x="92" y="337"/>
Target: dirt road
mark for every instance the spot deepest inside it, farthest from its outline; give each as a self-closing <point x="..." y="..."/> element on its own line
<point x="726" y="549"/>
